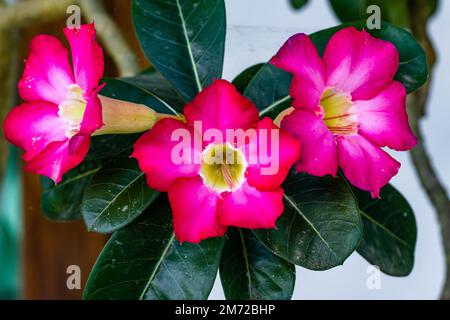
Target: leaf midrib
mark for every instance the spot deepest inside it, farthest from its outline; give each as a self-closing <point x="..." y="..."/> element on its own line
<point x="188" y="46"/>
<point x="271" y="106"/>
<point x="78" y="177"/>
<point x="247" y="264"/>
<point x="382" y="227"/>
<point x="274" y="105"/>
<point x="154" y="95"/>
<point x="114" y="199"/>
<point x="297" y="209"/>
<point x="156" y="268"/>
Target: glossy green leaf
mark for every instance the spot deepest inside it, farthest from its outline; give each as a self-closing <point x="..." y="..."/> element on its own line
<point x="116" y="195"/>
<point x="144" y="261"/>
<point x="142" y="89"/>
<point x="413" y="69"/>
<point x="110" y="145"/>
<point x="158" y="87"/>
<point x="184" y="40"/>
<point x="389" y="231"/>
<point x="269" y="90"/>
<point x="249" y="271"/>
<point x="62" y="202"/>
<point x="243" y="79"/>
<point x="320" y="226"/>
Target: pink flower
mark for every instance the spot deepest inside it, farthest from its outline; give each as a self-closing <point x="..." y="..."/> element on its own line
<point x="61" y="108"/>
<point x="207" y="195"/>
<point x="347" y="107"/>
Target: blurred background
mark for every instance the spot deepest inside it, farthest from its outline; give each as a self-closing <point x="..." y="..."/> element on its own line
<point x="35" y="253"/>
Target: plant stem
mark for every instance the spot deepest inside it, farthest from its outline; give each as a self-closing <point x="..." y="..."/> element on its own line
<point x="429" y="178"/>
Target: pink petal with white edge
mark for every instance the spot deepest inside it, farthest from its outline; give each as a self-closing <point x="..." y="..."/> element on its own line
<point x="384" y="121"/>
<point x="92" y="117"/>
<point x="220" y="106"/>
<point x="194" y="209"/>
<point x="47" y="73"/>
<point x="163" y="156"/>
<point x="87" y="57"/>
<point x="365" y="165"/>
<point x="319" y="152"/>
<point x="300" y="57"/>
<point x="251" y="208"/>
<point x="270" y="155"/>
<point x="56" y="160"/>
<point x="360" y="64"/>
<point x="32" y="126"/>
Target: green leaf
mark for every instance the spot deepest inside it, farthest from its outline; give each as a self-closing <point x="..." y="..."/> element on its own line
<point x="251" y="272"/>
<point x="184" y="40"/>
<point x="134" y="90"/>
<point x="144" y="261"/>
<point x="320" y="226"/>
<point x="390" y="231"/>
<point x="110" y="145"/>
<point x="156" y="85"/>
<point x="116" y="195"/>
<point x="298" y="4"/>
<point x="62" y="202"/>
<point x="269" y="90"/>
<point x="243" y="79"/>
<point x="413" y="69"/>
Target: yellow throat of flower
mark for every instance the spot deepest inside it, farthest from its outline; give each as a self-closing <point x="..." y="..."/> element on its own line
<point x="72" y="110"/>
<point x="337" y="112"/>
<point x="223" y="168"/>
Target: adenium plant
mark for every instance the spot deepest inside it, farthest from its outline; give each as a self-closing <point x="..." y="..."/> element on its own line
<point x="194" y="175"/>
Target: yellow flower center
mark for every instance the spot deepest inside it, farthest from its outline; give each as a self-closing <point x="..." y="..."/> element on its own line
<point x="223" y="168"/>
<point x="337" y="112"/>
<point x="72" y="110"/>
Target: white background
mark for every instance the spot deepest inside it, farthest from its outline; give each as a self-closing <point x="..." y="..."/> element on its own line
<point x="255" y="32"/>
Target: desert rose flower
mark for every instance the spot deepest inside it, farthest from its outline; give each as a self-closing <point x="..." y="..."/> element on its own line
<point x="62" y="107"/>
<point x="219" y="182"/>
<point x="347" y="107"/>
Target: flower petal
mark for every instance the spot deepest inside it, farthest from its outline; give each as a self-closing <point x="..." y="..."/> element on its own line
<point x="270" y="156"/>
<point x="220" y="106"/>
<point x="319" y="153"/>
<point x="384" y="121"/>
<point x="360" y="64"/>
<point x="87" y="57"/>
<point x="167" y="152"/>
<point x="365" y="165"/>
<point x="300" y="57"/>
<point x="194" y="209"/>
<point x="92" y="117"/>
<point x="47" y="73"/>
<point x="56" y="159"/>
<point x="251" y="208"/>
<point x="32" y="126"/>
